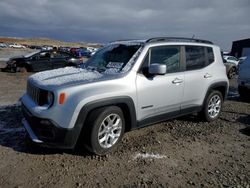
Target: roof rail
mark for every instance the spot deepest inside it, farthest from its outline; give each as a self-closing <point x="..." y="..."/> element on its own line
<point x="177" y="39"/>
<point x="126" y="40"/>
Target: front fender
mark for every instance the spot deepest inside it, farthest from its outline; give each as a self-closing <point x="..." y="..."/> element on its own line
<point x="124" y="102"/>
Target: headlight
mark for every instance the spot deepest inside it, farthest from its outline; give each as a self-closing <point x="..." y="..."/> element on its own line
<point x="50" y="98"/>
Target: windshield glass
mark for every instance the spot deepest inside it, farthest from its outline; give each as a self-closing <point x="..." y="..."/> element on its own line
<point x="31" y="54"/>
<point x="112" y="57"/>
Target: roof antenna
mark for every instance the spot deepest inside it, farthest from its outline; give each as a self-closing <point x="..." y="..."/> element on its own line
<point x="193" y="36"/>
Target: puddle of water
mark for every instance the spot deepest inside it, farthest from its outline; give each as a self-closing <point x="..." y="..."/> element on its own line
<point x="233" y="94"/>
<point x="2" y="125"/>
<point x="4" y="129"/>
<point x="4" y="107"/>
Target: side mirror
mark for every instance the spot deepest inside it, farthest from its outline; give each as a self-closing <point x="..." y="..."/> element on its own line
<point x="157" y="69"/>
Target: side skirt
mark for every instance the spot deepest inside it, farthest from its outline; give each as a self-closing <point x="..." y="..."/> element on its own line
<point x="167" y="116"/>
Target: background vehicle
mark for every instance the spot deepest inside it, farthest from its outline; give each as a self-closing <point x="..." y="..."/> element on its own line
<point x="231" y="69"/>
<point x="124" y="86"/>
<point x="81" y="52"/>
<point x="231" y="59"/>
<point x="40" y="61"/>
<point x="244" y="79"/>
<point x="241" y="59"/>
<point x="16" y="46"/>
<point x="35" y="47"/>
<point x="3" y="45"/>
<point x="45" y="47"/>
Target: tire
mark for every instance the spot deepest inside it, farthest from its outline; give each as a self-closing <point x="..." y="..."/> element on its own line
<point x="102" y="136"/>
<point x="212" y="106"/>
<point x="22" y="69"/>
<point x="232" y="73"/>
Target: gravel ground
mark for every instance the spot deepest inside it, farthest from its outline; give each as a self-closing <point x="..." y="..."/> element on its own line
<point x="184" y="152"/>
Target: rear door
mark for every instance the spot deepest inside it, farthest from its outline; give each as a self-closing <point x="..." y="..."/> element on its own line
<point x="58" y="59"/>
<point x="198" y="75"/>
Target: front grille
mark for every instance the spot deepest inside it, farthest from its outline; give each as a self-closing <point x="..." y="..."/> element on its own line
<point x="33" y="92"/>
<point x="39" y="96"/>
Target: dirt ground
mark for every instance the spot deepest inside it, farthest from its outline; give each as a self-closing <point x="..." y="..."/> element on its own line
<point x="184" y="152"/>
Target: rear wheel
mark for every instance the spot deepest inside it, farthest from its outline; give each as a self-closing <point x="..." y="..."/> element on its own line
<point x="232" y="73"/>
<point x="212" y="106"/>
<point x="105" y="129"/>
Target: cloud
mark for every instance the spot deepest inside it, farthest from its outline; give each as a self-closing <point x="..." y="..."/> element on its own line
<point x="102" y="21"/>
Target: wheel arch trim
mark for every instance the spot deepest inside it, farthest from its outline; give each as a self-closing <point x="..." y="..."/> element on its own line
<point x="222" y="84"/>
<point x="123" y="101"/>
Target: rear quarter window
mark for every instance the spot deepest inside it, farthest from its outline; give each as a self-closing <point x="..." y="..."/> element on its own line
<point x="210" y="55"/>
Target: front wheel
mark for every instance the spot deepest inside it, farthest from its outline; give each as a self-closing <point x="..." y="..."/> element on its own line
<point x="105" y="129"/>
<point x="21" y="69"/>
<point x="212" y="106"/>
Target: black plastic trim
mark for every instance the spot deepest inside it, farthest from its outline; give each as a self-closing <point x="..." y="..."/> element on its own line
<point x="167" y="116"/>
<point x="216" y="85"/>
<point x="178" y="39"/>
<point x="80" y="125"/>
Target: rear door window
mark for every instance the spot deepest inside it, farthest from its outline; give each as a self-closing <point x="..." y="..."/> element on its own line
<point x="210" y="55"/>
<point x="195" y="57"/>
<point x="198" y="57"/>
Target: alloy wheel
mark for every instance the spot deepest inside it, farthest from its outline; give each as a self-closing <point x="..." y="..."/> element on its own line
<point x="110" y="130"/>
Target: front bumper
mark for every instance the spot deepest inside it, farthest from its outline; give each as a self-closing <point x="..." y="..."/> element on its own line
<point x="32" y="135"/>
<point x="46" y="133"/>
<point x="9" y="68"/>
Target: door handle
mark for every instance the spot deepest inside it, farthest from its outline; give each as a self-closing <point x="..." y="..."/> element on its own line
<point x="177" y="81"/>
<point x="207" y="75"/>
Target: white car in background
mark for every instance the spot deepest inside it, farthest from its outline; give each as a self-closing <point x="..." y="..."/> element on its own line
<point x="244" y="79"/>
<point x="231" y="59"/>
<point x="16" y="46"/>
<point x="241" y="59"/>
<point x="3" y="45"/>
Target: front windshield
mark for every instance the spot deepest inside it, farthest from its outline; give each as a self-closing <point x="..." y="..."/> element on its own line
<point x="31" y="54"/>
<point x="112" y="57"/>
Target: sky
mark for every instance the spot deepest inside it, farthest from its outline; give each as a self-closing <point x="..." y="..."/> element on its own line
<point x="101" y="21"/>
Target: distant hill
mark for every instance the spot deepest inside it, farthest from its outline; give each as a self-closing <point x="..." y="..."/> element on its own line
<point x="44" y="41"/>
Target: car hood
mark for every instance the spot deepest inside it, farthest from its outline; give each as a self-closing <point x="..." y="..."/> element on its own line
<point x="16" y="58"/>
<point x="67" y="76"/>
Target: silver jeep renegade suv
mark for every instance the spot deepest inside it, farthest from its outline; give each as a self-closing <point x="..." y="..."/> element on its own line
<point x="124" y="86"/>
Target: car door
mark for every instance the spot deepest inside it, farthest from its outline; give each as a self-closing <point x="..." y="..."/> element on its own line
<point x="40" y="62"/>
<point x="161" y="94"/>
<point x="198" y="75"/>
<point x="58" y="59"/>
